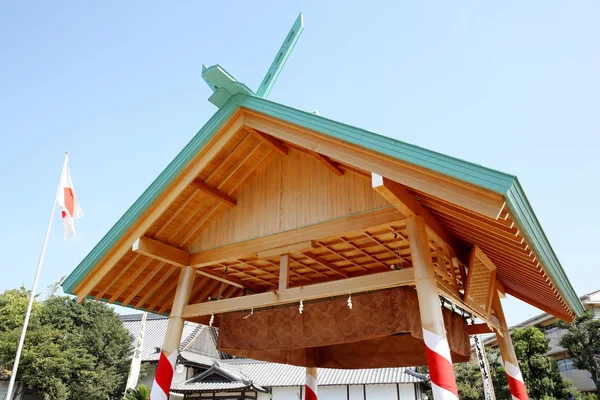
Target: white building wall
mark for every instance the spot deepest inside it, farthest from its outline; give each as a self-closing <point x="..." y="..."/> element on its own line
<point x="282" y="393"/>
<point x="148" y="380"/>
<point x="356" y="392"/>
<point x="332" y="392"/>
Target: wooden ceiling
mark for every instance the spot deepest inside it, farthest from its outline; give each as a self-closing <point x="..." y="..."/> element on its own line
<point x="359" y="237"/>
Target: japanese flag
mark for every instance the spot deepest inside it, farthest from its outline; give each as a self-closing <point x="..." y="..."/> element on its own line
<point x="68" y="201"/>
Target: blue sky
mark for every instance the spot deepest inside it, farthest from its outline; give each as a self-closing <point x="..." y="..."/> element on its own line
<point x="513" y="86"/>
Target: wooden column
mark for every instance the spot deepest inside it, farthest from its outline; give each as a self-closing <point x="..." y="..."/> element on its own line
<point x="310" y="387"/>
<point x="284" y="271"/>
<point x="443" y="383"/>
<point x="511" y="364"/>
<point x="168" y="356"/>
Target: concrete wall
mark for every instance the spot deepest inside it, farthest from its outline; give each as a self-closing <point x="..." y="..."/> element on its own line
<point x="582" y="380"/>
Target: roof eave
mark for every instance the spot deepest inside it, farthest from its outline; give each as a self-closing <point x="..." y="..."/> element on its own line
<point x="134" y="212"/>
<point x="498" y="182"/>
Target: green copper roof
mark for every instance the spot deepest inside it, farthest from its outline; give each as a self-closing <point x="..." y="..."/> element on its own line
<point x="504" y="184"/>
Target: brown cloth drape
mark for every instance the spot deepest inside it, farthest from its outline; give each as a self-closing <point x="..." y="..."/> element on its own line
<point x="383" y="329"/>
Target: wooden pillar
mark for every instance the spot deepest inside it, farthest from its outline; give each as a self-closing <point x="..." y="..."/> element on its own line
<point x="168" y="356"/>
<point x="511" y="364"/>
<point x="443" y="383"/>
<point x="310" y="387"/>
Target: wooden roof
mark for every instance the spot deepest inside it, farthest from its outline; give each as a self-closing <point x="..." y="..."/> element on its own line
<point x="260" y="177"/>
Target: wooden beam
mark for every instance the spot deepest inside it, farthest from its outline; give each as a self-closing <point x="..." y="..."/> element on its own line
<point x="228" y="280"/>
<point x="148" y="294"/>
<point x="455" y="191"/>
<point x="250" y="248"/>
<point x="327" y="265"/>
<point x="161" y="251"/>
<point x="479" y="329"/>
<point x="215" y="192"/>
<point x="159" y="206"/>
<point x="300" y="247"/>
<point x="365" y="283"/>
<point x="326" y="161"/>
<point x="399" y="197"/>
<point x="270" y="141"/>
<point x="284" y="271"/>
<point x="138" y="289"/>
<point x="501" y="290"/>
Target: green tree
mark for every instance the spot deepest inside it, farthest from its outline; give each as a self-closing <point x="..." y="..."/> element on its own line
<point x="540" y="372"/>
<point x="72" y="350"/>
<point x="141" y="393"/>
<point x="582" y="341"/>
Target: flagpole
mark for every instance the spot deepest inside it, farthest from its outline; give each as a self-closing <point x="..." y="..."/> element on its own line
<point x="13" y="375"/>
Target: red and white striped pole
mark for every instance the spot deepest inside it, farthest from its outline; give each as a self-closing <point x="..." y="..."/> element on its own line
<point x="311" y="385"/>
<point x="511" y="364"/>
<point x="168" y="357"/>
<point x="443" y="383"/>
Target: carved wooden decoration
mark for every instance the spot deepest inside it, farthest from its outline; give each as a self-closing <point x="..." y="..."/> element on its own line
<point x="480" y="281"/>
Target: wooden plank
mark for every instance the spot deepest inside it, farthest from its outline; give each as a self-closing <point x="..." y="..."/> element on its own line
<point x="299" y="247"/>
<point x="161" y="251"/>
<point x="250" y="248"/>
<point x="435" y="184"/>
<point x="365" y="283"/>
<point x="160" y="205"/>
<point x="228" y="280"/>
<point x="140" y="286"/>
<point x="124" y="284"/>
<point x="216" y="193"/>
<point x="284" y="271"/>
<point x="479" y="329"/>
<point x="327" y="265"/>
<point x="270" y="141"/>
<point x="330" y="164"/>
<point x="116" y="279"/>
<point x="150" y="292"/>
<point x="399" y="197"/>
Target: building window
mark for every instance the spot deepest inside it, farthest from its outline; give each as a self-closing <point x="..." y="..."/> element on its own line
<point x="565" y="364"/>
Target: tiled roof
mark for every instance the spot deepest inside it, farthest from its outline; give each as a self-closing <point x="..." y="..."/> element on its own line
<point x="272" y="374"/>
<point x="260" y="374"/>
<point x="208" y="386"/>
<point x="156" y="329"/>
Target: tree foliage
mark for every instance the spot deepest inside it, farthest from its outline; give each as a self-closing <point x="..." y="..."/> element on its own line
<point x="141" y="393"/>
<point x="540" y="371"/>
<point x="582" y="342"/>
<point x="72" y="350"/>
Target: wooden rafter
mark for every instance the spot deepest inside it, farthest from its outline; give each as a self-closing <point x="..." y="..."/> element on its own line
<point x="250" y="248"/>
<point x="148" y="294"/>
<point x="399" y="197"/>
<point x="299" y="247"/>
<point x="116" y="279"/>
<point x="125" y="283"/>
<point x="84" y="288"/>
<point x="329" y="163"/>
<point x="341" y="255"/>
<point x="327" y="265"/>
<point x="161" y="251"/>
<point x="140" y="285"/>
<point x="216" y="193"/>
<point x="370" y="282"/>
<point x="469" y="196"/>
<point x="270" y="141"/>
